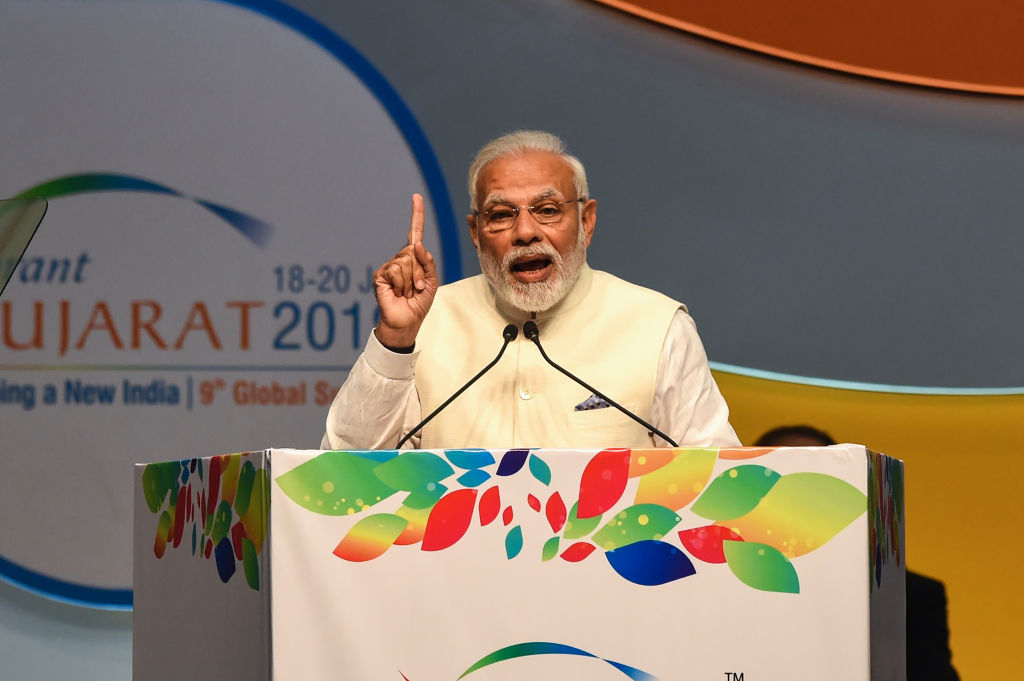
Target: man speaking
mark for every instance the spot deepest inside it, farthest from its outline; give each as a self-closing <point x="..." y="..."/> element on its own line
<point x="532" y="220"/>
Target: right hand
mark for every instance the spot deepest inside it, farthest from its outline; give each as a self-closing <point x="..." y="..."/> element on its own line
<point x="405" y="286"/>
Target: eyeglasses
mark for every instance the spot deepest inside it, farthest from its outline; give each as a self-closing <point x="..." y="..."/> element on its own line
<point x="504" y="215"/>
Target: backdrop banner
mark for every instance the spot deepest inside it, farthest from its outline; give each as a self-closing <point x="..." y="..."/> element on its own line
<point x="223" y="178"/>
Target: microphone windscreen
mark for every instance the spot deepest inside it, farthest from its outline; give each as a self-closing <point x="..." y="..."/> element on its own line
<point x="510" y="332"/>
<point x="530" y="330"/>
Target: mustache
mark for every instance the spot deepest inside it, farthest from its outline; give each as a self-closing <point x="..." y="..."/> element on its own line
<point x="532" y="250"/>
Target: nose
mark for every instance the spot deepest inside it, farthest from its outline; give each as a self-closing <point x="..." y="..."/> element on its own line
<point x="526" y="230"/>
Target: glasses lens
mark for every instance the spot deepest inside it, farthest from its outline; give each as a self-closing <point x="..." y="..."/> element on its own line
<point x="500" y="217"/>
<point x="547" y="212"/>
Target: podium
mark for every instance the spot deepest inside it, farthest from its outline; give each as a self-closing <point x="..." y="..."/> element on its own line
<point x="747" y="564"/>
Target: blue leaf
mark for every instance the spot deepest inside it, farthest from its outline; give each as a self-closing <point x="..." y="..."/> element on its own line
<point x="469" y="458"/>
<point x="650" y="562"/>
<point x="512" y="461"/>
<point x="473" y="478"/>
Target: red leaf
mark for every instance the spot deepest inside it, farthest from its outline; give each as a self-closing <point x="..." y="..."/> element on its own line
<point x="603" y="481"/>
<point x="507" y="516"/>
<point x="578" y="551"/>
<point x="705" y="543"/>
<point x="490" y="504"/>
<point x="449" y="519"/>
<point x="237" y="534"/>
<point x="179" y="516"/>
<point x="214" y="487"/>
<point x="555" y="512"/>
<point x="534" y="502"/>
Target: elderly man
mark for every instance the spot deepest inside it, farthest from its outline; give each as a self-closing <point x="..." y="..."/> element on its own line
<point x="532" y="220"/>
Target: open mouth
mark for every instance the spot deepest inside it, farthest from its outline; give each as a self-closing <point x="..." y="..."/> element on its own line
<point x="531" y="268"/>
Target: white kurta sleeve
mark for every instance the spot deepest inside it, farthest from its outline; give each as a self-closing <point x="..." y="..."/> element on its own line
<point x="376" y="402"/>
<point x="687" y="403"/>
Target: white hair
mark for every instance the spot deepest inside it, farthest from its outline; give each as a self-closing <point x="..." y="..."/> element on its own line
<point x="520" y="142"/>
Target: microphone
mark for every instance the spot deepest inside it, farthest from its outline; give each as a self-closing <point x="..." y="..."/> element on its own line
<point x="532" y="333"/>
<point x="509" y="333"/>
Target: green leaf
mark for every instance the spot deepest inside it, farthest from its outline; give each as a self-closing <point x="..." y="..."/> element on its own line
<point x="550" y="549"/>
<point x="801" y="512"/>
<point x="158" y="479"/>
<point x="413" y="470"/>
<point x="735" y="492"/>
<point x="760" y="566"/>
<point x="636" y="523"/>
<point x="335" y="483"/>
<point x="576" y="527"/>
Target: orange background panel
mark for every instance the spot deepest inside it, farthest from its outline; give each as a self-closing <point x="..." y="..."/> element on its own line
<point x="974" y="46"/>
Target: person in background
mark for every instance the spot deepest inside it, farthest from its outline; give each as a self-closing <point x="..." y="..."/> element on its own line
<point x="928" y="655"/>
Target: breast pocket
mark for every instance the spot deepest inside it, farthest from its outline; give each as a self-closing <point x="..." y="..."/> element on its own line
<point x="608" y="427"/>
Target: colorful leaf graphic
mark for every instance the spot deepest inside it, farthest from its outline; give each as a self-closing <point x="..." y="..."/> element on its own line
<point x="646" y="461"/>
<point x="514" y="542"/>
<point x="533" y="502"/>
<point x="512" y="461"/>
<point x="229" y="477"/>
<point x="762" y="567"/>
<point x="603" y="481"/>
<point x="473" y="478"/>
<point x="417" y="524"/>
<point x="650" y="562"/>
<point x="250" y="565"/>
<point x="158" y="479"/>
<point x="163" y="527"/>
<point x="449" y="520"/>
<point x="255" y="518"/>
<point x="735" y="492"/>
<point x="554" y="510"/>
<point x="634" y="524"/>
<point x="539" y="469"/>
<point x="705" y="543"/>
<point x="334" y="483"/>
<point x="740" y="453"/>
<point x="550" y="549"/>
<point x="490" y="504"/>
<point x="413" y="470"/>
<point x="801" y="512"/>
<point x="426" y="496"/>
<point x="578" y="551"/>
<point x="370" y="537"/>
<point x="576" y="527"/>
<point x="469" y="458"/>
<point x="679" y="481"/>
<point x="246" y="478"/>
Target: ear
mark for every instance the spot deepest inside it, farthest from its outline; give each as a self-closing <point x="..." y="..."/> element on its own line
<point x="588" y="215"/>
<point x="471" y="219"/>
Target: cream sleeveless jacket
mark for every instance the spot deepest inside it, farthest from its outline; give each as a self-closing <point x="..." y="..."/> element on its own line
<point x="606" y="331"/>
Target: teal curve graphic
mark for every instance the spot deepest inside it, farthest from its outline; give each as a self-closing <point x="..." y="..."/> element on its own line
<point x="253" y="229"/>
<point x="533" y="648"/>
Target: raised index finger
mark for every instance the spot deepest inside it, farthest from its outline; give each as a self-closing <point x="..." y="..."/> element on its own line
<point x="416" y="223"/>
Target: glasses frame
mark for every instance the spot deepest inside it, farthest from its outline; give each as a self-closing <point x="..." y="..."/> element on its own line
<point x="516" y="210"/>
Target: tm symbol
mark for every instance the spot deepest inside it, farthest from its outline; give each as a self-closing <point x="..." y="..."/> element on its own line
<point x="734" y="676"/>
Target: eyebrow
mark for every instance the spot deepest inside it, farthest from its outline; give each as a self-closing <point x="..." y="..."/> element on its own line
<point x="495" y="198"/>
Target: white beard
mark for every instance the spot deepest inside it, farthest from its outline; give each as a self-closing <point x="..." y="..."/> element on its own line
<point x="535" y="296"/>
